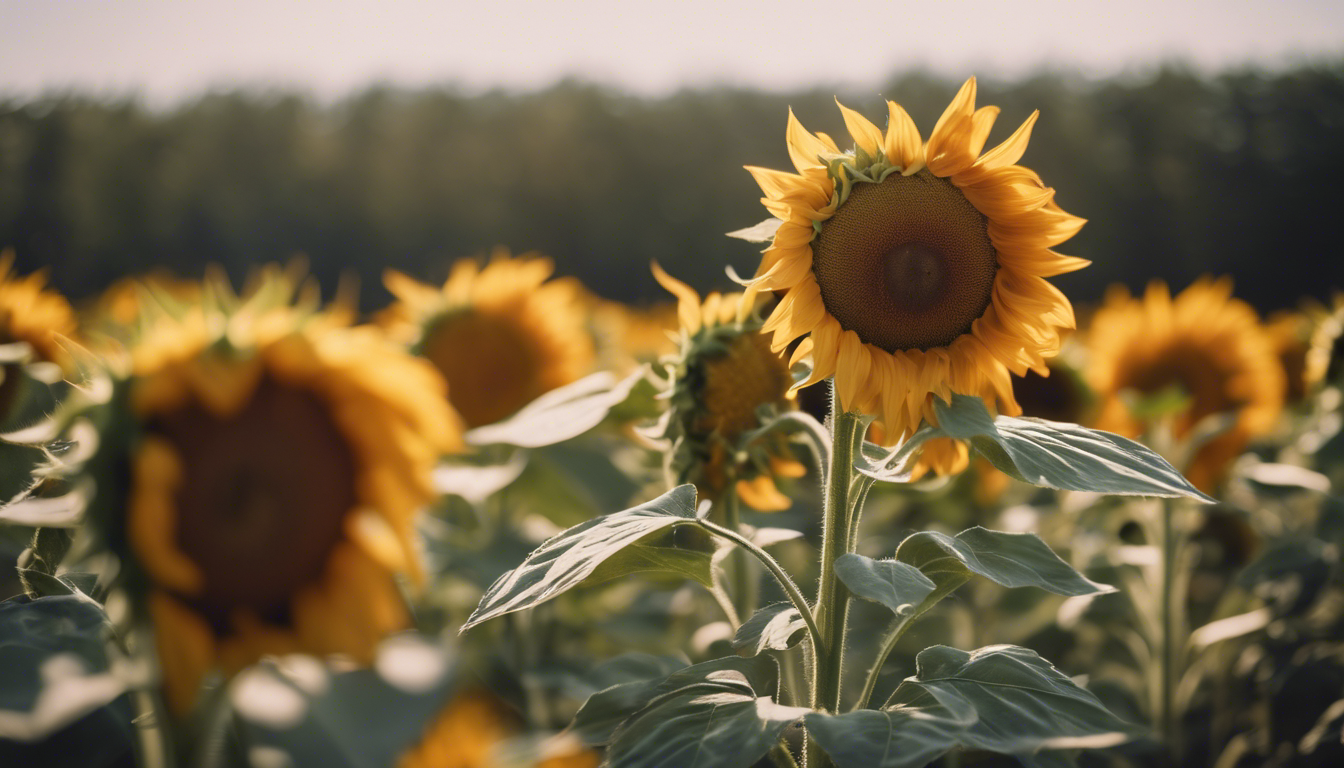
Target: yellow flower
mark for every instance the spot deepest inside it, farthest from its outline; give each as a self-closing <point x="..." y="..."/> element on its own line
<point x="1204" y="342"/>
<point x="724" y="373"/>
<point x="281" y="461"/>
<point x="630" y="335"/>
<point x="501" y="335"/>
<point x="1291" y="333"/>
<point x="32" y="314"/>
<point x="468" y="731"/>
<point x="916" y="269"/>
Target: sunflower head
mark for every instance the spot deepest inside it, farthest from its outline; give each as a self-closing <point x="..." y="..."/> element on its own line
<point x="501" y="335"/>
<point x="916" y="269"/>
<point x="1202" y="352"/>
<point x="722" y="381"/>
<point x="279" y="460"/>
<point x="32" y="314"/>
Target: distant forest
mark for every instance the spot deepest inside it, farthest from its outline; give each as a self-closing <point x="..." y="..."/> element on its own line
<point x="1179" y="175"/>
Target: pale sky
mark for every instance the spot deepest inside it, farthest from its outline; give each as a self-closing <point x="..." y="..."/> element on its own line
<point x="167" y="50"/>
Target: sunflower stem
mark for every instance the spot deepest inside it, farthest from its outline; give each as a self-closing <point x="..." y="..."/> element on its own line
<point x="832" y="607"/>
<point x="776" y="570"/>
<point x="740" y="578"/>
<point x="888" y="645"/>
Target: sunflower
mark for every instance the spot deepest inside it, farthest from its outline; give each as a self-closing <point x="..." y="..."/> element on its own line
<point x="31" y="314"/>
<point x="1291" y="333"/>
<point x="468" y="732"/>
<point x="916" y="269"/>
<point x="724" y="374"/>
<point x="281" y="459"/>
<point x="1204" y="346"/>
<point x="501" y="335"/>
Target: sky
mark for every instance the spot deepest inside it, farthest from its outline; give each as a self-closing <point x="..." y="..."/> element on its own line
<point x="168" y="51"/>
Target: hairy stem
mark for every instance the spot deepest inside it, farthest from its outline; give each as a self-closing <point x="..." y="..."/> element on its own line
<point x="742" y="586"/>
<point x="888" y="645"/>
<point x="832" y="605"/>
<point x="776" y="570"/>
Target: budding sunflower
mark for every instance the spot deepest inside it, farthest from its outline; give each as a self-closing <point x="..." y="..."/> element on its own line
<point x="916" y="269"/>
<point x="726" y="382"/>
<point x="1207" y="346"/>
<point x="501" y="335"/>
<point x="278" y="459"/>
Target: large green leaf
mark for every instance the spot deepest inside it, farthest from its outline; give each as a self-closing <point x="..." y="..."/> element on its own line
<point x="898" y="737"/>
<point x="1065" y="456"/>
<point x="899" y="586"/>
<point x="722" y="717"/>
<point x="1009" y="559"/>
<point x="599" y="717"/>
<point x="567" y="559"/>
<point x="1001" y="699"/>
<point x="561" y="414"/>
<point x="1015" y="701"/>
<point x="683" y="550"/>
<point x="776" y="627"/>
<point x="56" y="664"/>
<point x="1050" y="454"/>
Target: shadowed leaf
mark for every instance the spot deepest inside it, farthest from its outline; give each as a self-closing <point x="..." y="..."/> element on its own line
<point x="567" y="559"/>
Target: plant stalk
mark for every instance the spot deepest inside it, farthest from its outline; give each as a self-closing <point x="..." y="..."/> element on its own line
<point x="776" y="570"/>
<point x="888" y="646"/>
<point x="741" y="580"/>
<point x="832" y="605"/>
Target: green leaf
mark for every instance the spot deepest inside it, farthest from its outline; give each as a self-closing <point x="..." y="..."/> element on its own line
<point x="683" y="550"/>
<point x="18" y="466"/>
<point x="899" y="737"/>
<point x="897" y="585"/>
<point x="561" y="414"/>
<point x="567" y="559"/>
<point x="699" y="718"/>
<point x="1009" y="559"/>
<point x="776" y="627"/>
<point x="1063" y="456"/>
<point x="33" y="389"/>
<point x="1013" y="701"/>
<point x="57" y="668"/>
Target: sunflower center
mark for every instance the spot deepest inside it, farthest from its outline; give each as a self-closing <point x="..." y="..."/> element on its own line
<point x="905" y="264"/>
<point x="1188" y="366"/>
<point x="264" y="497"/>
<point x="737" y="382"/>
<point x="492" y="365"/>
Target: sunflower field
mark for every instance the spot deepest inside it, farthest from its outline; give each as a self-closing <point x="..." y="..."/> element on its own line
<point x="890" y="501"/>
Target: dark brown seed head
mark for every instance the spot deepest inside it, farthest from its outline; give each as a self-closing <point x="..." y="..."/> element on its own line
<point x="905" y="264"/>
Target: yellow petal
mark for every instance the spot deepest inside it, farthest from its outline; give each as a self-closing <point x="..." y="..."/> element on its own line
<point x="688" y="301"/>
<point x="903" y="145"/>
<point x="804" y="148"/>
<point x="963" y="104"/>
<point x="1010" y="151"/>
<point x="866" y="135"/>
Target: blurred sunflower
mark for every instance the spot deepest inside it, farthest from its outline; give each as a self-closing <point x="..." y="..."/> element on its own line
<point x="467" y="733"/>
<point x="628" y="336"/>
<point x="723" y="375"/>
<point x="1204" y="347"/>
<point x="501" y="335"/>
<point x="117" y="313"/>
<point x="916" y="269"/>
<point x="281" y="460"/>
<point x="31" y="314"/>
